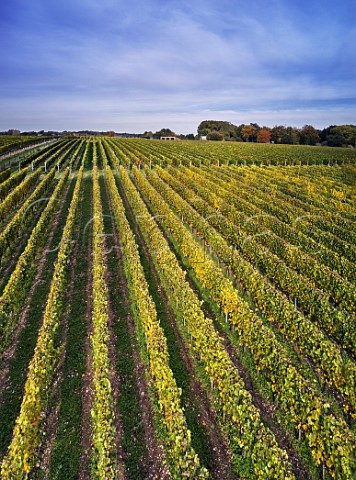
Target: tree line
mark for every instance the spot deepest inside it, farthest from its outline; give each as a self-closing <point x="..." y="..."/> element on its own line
<point x="333" y="136"/>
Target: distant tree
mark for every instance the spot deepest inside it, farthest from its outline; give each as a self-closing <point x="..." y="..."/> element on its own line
<point x="264" y="135"/>
<point x="227" y="130"/>
<point x="215" y="136"/>
<point x="32" y="133"/>
<point x="239" y="132"/>
<point x="203" y="132"/>
<point x="335" y="135"/>
<point x="148" y="134"/>
<point x="334" y="140"/>
<point x="325" y="133"/>
<point x="190" y="136"/>
<point x="164" y="132"/>
<point x="204" y="127"/>
<point x="339" y="135"/>
<point x="110" y="133"/>
<point x="347" y="132"/>
<point x="290" y="136"/>
<point x="249" y="133"/>
<point x="13" y="132"/>
<point x="309" y="135"/>
<point x="231" y="133"/>
<point x="277" y="133"/>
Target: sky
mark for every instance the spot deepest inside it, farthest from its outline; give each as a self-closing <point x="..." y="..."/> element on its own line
<point x="131" y="66"/>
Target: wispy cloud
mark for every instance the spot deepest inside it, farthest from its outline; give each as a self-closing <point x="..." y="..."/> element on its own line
<point x="130" y="66"/>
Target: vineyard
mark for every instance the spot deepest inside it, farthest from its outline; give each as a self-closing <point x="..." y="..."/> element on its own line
<point x="177" y="310"/>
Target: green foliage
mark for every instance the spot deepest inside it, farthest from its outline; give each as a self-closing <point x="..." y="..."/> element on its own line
<point x="164" y="132"/>
<point x="217" y="130"/>
<point x="215" y="136"/>
<point x="309" y="135"/>
<point x="339" y="136"/>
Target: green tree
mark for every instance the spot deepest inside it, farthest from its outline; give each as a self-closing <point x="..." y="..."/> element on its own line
<point x="215" y="136"/>
<point x="334" y="140"/>
<point x="13" y="132"/>
<point x="226" y="130"/>
<point x="164" y="132"/>
<point x="309" y="135"/>
<point x="291" y="136"/>
<point x="347" y="132"/>
<point x="277" y="133"/>
<point x="190" y="136"/>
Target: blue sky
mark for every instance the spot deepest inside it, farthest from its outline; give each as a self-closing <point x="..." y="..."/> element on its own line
<point x="132" y="66"/>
